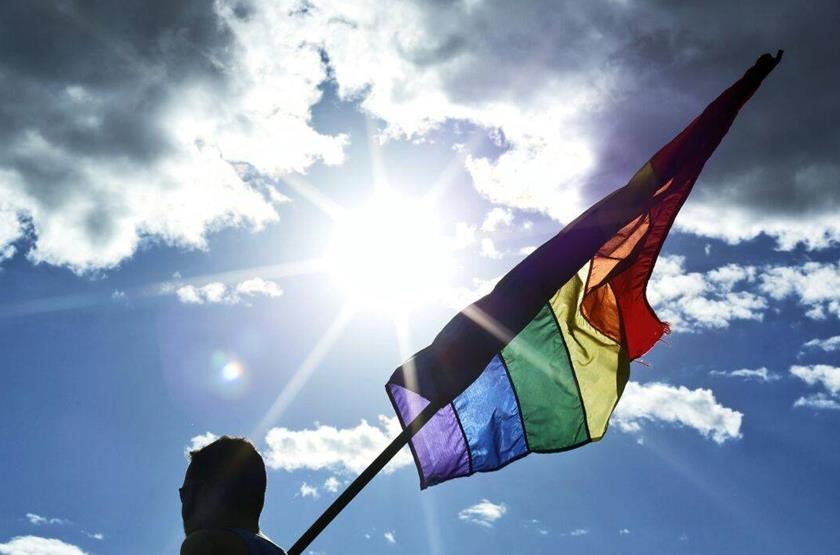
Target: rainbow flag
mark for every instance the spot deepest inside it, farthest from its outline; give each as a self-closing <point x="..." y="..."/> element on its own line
<point x="539" y="364"/>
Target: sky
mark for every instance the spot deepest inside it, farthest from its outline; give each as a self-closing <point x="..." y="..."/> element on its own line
<point x="239" y="217"/>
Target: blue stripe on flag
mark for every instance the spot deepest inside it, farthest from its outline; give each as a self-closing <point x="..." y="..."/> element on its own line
<point x="490" y="417"/>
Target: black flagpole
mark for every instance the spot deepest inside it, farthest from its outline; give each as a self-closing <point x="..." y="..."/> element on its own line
<point x="362" y="480"/>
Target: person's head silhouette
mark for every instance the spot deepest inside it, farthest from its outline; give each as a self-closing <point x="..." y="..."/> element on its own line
<point x="222" y="498"/>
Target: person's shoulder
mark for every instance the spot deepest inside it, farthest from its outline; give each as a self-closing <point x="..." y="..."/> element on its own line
<point x="213" y="542"/>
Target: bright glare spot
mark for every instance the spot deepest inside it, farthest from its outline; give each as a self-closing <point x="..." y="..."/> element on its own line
<point x="232" y="370"/>
<point x="229" y="377"/>
<point x="389" y="254"/>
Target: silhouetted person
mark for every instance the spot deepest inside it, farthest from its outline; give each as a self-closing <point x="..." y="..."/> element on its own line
<point x="222" y="498"/>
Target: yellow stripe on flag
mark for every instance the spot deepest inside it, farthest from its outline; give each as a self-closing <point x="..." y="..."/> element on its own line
<point x="600" y="364"/>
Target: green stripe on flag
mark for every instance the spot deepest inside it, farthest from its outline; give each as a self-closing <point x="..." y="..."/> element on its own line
<point x="545" y="384"/>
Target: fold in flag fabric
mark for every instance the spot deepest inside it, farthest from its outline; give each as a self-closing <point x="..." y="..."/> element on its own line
<point x="539" y="364"/>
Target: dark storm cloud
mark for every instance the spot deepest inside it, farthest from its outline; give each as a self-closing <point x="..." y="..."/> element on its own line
<point x="83" y="84"/>
<point x="677" y="56"/>
<point x="790" y="126"/>
<point x="671" y="59"/>
<point x="112" y="116"/>
<point x="126" y="57"/>
<point x="89" y="88"/>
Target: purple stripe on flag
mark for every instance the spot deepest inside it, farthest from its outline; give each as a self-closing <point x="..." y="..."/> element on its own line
<point x="439" y="447"/>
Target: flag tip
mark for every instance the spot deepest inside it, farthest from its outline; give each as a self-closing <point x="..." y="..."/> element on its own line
<point x="766" y="62"/>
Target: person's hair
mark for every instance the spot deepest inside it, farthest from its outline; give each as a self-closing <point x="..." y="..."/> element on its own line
<point x="233" y="464"/>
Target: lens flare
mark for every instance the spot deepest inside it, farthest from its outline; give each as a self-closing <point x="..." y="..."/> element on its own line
<point x="233" y="370"/>
<point x="229" y="377"/>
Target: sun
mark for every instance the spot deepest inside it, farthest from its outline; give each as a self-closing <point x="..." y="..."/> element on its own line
<point x="390" y="254"/>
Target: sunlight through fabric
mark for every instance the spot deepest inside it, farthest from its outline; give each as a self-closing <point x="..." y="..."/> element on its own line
<point x="430" y="516"/>
<point x="539" y="364"/>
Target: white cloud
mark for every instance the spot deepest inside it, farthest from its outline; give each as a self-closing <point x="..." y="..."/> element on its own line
<point x="623" y="531"/>
<point x="818" y="401"/>
<point x="694" y="408"/>
<point x="328" y="448"/>
<point x="211" y="293"/>
<point x="691" y="301"/>
<point x="819" y="374"/>
<point x="537" y="526"/>
<point x="405" y="63"/>
<point x="165" y="172"/>
<point x="815" y="285"/>
<point x="457" y="298"/>
<point x="464" y="235"/>
<point x="34" y="545"/>
<point x="332" y="484"/>
<point x="544" y="172"/>
<point x="758" y="374"/>
<point x="496" y="219"/>
<point x="828" y="345"/>
<point x="94" y="535"/>
<point x="11" y="230"/>
<point x="484" y="513"/>
<point x="488" y="249"/>
<point x="308" y="491"/>
<point x="390" y="537"/>
<point x="258" y="286"/>
<point x="734" y="224"/>
<point x="7" y="252"/>
<point x="217" y="292"/>
<point x="38" y="519"/>
<point x="199" y="441"/>
<point x="579" y="532"/>
<point x="111" y="206"/>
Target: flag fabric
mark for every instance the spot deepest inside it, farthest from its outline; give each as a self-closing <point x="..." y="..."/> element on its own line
<point x="539" y="364"/>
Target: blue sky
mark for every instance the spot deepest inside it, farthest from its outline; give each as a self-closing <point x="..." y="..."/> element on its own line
<point x="172" y="185"/>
